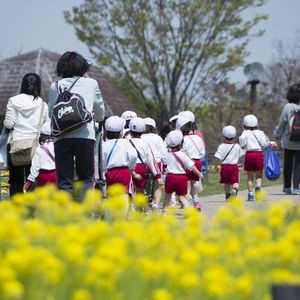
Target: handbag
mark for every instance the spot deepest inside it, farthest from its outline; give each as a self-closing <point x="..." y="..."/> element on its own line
<point x="272" y="164"/>
<point x="22" y="151"/>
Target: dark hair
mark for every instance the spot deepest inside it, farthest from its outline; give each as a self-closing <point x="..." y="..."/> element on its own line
<point x="250" y="128"/>
<point x="44" y="138"/>
<point x="112" y="134"/>
<point x="228" y="139"/>
<point x="31" y="85"/>
<point x="72" y="64"/>
<point x="150" y="129"/>
<point x="293" y="95"/>
<point x="127" y="123"/>
<point x="136" y="134"/>
<point x="186" y="128"/>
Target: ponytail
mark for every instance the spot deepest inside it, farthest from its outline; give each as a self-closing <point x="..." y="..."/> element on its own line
<point x="31" y="85"/>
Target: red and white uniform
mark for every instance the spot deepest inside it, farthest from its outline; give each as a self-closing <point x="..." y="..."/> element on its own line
<point x="253" y="141"/>
<point x="43" y="165"/>
<point x="122" y="159"/>
<point x="157" y="146"/>
<point x="194" y="148"/>
<point x="176" y="179"/>
<point x="146" y="154"/>
<point x="229" y="169"/>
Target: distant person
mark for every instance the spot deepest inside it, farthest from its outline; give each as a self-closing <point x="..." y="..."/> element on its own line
<point x="127" y="115"/>
<point x="291" y="149"/>
<point x="24" y="116"/>
<point x="253" y="141"/>
<point x="42" y="169"/>
<point x="79" y="145"/>
<point x="229" y="153"/>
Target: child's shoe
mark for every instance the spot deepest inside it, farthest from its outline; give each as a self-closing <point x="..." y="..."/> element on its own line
<point x="250" y="197"/>
<point x="227" y="196"/>
<point x="197" y="204"/>
<point x="296" y="191"/>
<point x="173" y="202"/>
<point x="257" y="188"/>
<point x="234" y="192"/>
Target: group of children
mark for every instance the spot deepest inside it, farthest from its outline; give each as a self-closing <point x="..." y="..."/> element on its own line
<point x="132" y="150"/>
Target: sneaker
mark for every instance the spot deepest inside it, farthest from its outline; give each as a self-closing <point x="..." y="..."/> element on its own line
<point x="197" y="204"/>
<point x="257" y="188"/>
<point x="154" y="207"/>
<point x="233" y="193"/>
<point x="250" y="197"/>
<point x="287" y="191"/>
<point x="173" y="202"/>
<point x="296" y="191"/>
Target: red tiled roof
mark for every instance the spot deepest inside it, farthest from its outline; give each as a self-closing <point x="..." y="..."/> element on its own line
<point x="43" y="62"/>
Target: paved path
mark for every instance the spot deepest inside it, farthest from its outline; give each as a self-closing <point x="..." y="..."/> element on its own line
<point x="211" y="204"/>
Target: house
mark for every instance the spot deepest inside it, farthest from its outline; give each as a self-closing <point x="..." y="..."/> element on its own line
<point x="43" y="62"/>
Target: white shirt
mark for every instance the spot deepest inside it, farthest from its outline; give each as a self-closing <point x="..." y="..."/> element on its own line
<point x="253" y="140"/>
<point x="41" y="161"/>
<point x="146" y="155"/>
<point x="156" y="144"/>
<point x="236" y="152"/>
<point x="193" y="146"/>
<point x="23" y="115"/>
<point x="123" y="154"/>
<point x="173" y="166"/>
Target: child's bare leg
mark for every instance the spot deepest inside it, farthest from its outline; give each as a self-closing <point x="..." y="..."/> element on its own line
<point x="188" y="195"/>
<point x="258" y="178"/>
<point x="167" y="199"/>
<point x="157" y="192"/>
<point x="184" y="201"/>
<point x="194" y="192"/>
<point x="250" y="178"/>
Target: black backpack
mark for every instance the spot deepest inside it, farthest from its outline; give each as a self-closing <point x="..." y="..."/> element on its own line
<point x="69" y="112"/>
<point x="294" y="124"/>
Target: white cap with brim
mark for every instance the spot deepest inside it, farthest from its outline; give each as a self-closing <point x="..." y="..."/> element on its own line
<point x="46" y="128"/>
<point x="229" y="132"/>
<point x="181" y="121"/>
<point x="174" y="118"/>
<point x="150" y="121"/>
<point x="128" y="115"/>
<point x="187" y="114"/>
<point x="114" y="124"/>
<point x="250" y="121"/>
<point x="137" y="125"/>
<point x="174" y="138"/>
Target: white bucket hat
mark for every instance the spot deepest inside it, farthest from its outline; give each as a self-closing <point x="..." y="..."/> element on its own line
<point x="181" y="121"/>
<point x="128" y="115"/>
<point x="150" y="121"/>
<point x="137" y="125"/>
<point x="250" y="121"/>
<point x="187" y="114"/>
<point x="174" y="138"/>
<point x="173" y="118"/>
<point x="229" y="132"/>
<point x="114" y="124"/>
<point x="46" y="128"/>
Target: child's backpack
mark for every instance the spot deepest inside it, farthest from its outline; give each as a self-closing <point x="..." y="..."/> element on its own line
<point x="69" y="112"/>
<point x="294" y="126"/>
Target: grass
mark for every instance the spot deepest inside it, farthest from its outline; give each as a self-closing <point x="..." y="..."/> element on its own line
<point x="211" y="185"/>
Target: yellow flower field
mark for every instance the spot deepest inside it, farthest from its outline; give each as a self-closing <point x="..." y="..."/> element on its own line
<point x="54" y="248"/>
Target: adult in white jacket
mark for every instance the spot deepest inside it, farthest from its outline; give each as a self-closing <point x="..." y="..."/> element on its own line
<point x="22" y="118"/>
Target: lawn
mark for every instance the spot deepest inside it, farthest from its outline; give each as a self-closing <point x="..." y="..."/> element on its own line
<point x="211" y="185"/>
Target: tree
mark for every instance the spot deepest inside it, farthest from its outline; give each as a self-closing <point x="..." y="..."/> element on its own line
<point x="166" y="49"/>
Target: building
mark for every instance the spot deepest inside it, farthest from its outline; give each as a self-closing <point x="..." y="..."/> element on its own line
<point x="43" y="62"/>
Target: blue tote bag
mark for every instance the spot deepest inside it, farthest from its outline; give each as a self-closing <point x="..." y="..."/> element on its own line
<point x="272" y="164"/>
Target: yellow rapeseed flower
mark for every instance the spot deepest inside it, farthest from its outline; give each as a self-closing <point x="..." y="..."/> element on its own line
<point x="12" y="289"/>
<point x="81" y="295"/>
<point x="161" y="294"/>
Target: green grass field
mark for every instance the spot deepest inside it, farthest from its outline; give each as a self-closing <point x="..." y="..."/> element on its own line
<point x="211" y="186"/>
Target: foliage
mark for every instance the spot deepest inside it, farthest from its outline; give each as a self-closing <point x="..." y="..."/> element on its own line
<point x="52" y="248"/>
<point x="166" y="50"/>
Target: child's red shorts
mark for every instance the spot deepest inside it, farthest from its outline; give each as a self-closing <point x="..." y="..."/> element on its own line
<point x="254" y="161"/>
<point x="229" y="174"/>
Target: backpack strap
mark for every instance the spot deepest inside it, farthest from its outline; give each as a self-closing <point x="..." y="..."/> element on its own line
<point x="228" y="153"/>
<point x="195" y="146"/>
<point x="111" y="151"/>
<point x="139" y="156"/>
<point x="257" y="141"/>
<point x="179" y="161"/>
<point x="48" y="152"/>
<point x="71" y="86"/>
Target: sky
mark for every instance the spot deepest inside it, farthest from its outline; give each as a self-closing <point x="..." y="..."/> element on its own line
<point x="27" y="25"/>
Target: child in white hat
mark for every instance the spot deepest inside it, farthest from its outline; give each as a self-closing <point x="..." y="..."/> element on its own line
<point x="127" y="115"/>
<point x="118" y="156"/>
<point x="146" y="163"/>
<point x="42" y="170"/>
<point x="158" y="150"/>
<point x="253" y="141"/>
<point x="177" y="162"/>
<point x="194" y="148"/>
<point x="229" y="154"/>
